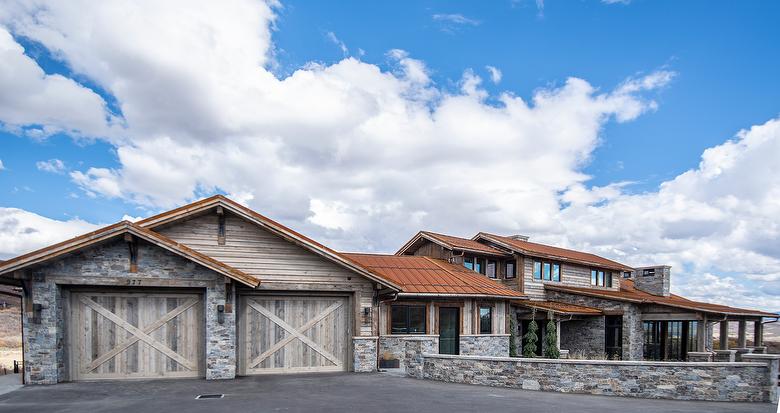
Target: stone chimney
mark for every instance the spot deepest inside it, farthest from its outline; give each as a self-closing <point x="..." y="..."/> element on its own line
<point x="519" y="237"/>
<point x="654" y="280"/>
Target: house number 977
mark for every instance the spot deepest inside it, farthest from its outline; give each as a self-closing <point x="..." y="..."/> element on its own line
<point x="133" y="281"/>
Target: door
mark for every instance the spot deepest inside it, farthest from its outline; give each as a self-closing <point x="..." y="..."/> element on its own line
<point x="449" y="330"/>
<point x="613" y="339"/>
<point x="135" y="335"/>
<point x="288" y="334"/>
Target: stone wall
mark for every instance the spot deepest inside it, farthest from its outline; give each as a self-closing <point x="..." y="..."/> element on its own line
<point x="633" y="332"/>
<point x="494" y="345"/>
<point x="583" y="337"/>
<point x="415" y="349"/>
<point x="220" y="338"/>
<point x="744" y="382"/>
<point x="393" y="347"/>
<point x="364" y="354"/>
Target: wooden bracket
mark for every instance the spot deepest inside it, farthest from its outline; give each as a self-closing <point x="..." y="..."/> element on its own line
<point x="132" y="246"/>
<point x="229" y="295"/>
<point x="221" y="226"/>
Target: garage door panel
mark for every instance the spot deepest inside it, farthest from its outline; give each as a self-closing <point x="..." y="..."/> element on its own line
<point x="122" y="335"/>
<point x="290" y="334"/>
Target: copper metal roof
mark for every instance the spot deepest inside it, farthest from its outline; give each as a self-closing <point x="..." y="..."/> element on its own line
<point x="548" y="251"/>
<point x="559" y="308"/>
<point x="428" y="276"/>
<point x="628" y="292"/>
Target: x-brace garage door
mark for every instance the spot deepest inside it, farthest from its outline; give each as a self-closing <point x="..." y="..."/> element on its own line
<point x="136" y="335"/>
<point x="285" y="334"/>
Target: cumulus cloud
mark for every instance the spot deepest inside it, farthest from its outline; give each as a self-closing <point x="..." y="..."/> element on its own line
<point x="22" y="231"/>
<point x="361" y="158"/>
<point x="55" y="166"/>
<point x="51" y="103"/>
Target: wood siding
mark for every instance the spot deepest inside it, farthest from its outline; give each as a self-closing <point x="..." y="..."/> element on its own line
<point x="571" y="274"/>
<point x="280" y="264"/>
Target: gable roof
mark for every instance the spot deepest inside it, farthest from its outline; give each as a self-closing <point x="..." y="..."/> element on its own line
<point x="115" y="230"/>
<point x="424" y="276"/>
<point x="628" y="292"/>
<point x="268" y="224"/>
<point x="452" y="243"/>
<point x="548" y="251"/>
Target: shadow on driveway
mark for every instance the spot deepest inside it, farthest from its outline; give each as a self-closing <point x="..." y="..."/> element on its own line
<point x="330" y="393"/>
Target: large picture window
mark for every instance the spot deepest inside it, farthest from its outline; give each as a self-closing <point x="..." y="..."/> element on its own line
<point x="407" y="319"/>
<point x="485" y="320"/>
<point x="600" y="278"/>
<point x="547" y="271"/>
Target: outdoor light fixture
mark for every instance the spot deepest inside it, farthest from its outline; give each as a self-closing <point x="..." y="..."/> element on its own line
<point x="221" y="314"/>
<point x="37" y="308"/>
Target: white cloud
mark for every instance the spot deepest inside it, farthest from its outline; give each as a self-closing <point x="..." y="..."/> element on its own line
<point x="361" y="158"/>
<point x="2" y="167"/>
<point x="22" y="231"/>
<point x="52" y="103"/>
<point x="52" y="165"/>
<point x="616" y="1"/>
<point x="456" y="19"/>
<point x="495" y="74"/>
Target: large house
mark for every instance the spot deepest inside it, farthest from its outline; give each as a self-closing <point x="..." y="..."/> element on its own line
<point x="214" y="289"/>
<point x="602" y="308"/>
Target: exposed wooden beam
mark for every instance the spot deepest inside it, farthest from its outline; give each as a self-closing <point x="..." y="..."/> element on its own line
<point x="132" y="246"/>
<point x="220" y="226"/>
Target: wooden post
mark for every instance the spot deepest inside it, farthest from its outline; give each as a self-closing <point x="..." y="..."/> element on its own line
<point x="558" y="334"/>
<point x="132" y="246"/>
<point x="758" y="333"/>
<point x="724" y="335"/>
<point x="220" y="226"/>
<point x="701" y="335"/>
<point x="741" y="334"/>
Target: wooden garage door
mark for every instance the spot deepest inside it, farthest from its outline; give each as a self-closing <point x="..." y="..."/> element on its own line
<point x="133" y="335"/>
<point x="287" y="334"/>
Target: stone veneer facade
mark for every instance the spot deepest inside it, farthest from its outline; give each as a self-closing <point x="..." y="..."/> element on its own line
<point x="590" y="337"/>
<point x="744" y="382"/>
<point x="44" y="352"/>
<point x="493" y="345"/>
<point x="364" y="354"/>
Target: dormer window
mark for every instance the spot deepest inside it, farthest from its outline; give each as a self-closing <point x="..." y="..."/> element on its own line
<point x="490" y="269"/>
<point x="474" y="264"/>
<point x="547" y="271"/>
<point x="648" y="272"/>
<point x="600" y="278"/>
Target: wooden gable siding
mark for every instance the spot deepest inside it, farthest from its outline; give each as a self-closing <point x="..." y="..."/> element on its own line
<point x="280" y="264"/>
<point x="572" y="275"/>
<point x="433" y="250"/>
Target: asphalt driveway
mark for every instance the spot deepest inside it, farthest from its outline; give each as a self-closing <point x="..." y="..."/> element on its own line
<point x="328" y="393"/>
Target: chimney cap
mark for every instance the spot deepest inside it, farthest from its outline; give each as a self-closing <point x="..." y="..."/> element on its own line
<point x="519" y="237"/>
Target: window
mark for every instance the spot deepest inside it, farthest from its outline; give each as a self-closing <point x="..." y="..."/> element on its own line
<point x="650" y="272"/>
<point x="626" y="274"/>
<point x="407" y="319"/>
<point x="601" y="278"/>
<point x="479" y="265"/>
<point x="468" y="262"/>
<point x="490" y="269"/>
<point x="485" y="320"/>
<point x="547" y="271"/>
<point x="510" y="269"/>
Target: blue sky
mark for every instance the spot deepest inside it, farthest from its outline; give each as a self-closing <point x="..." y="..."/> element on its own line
<point x="305" y="126"/>
<point x="725" y="54"/>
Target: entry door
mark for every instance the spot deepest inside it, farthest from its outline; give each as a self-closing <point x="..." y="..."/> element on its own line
<point x="449" y="330"/>
<point x="288" y="334"/>
<point x="613" y="336"/>
<point x="135" y="335"/>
